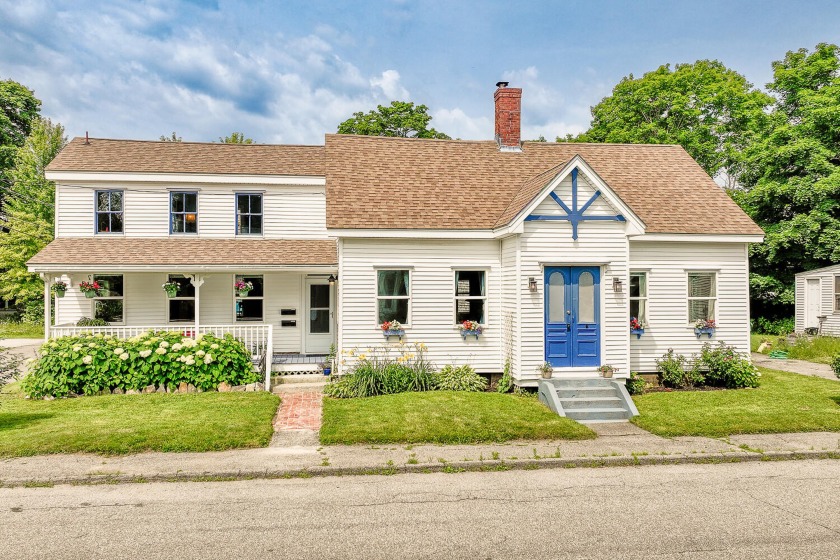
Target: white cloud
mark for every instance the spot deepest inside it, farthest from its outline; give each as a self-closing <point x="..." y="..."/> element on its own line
<point x="457" y="124"/>
<point x="389" y="83"/>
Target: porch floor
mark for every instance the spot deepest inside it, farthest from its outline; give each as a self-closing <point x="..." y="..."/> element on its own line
<point x="287" y="358"/>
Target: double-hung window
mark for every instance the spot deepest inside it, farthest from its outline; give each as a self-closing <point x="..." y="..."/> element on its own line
<point x="639" y="296"/>
<point x="108" y="304"/>
<point x="249" y="214"/>
<point x="183" y="212"/>
<point x="837" y="293"/>
<point x="250" y="307"/>
<point x="470" y="296"/>
<point x="702" y="295"/>
<point x="109" y="211"/>
<point x="182" y="306"/>
<point x="393" y="295"/>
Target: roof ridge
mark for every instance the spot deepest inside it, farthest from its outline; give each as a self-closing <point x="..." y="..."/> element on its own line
<point x="192" y="142"/>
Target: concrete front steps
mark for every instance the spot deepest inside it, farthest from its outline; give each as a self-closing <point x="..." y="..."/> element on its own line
<point x="588" y="399"/>
<point x="300" y="383"/>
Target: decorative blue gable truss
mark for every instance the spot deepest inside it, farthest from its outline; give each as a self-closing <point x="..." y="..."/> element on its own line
<point x="575" y="215"/>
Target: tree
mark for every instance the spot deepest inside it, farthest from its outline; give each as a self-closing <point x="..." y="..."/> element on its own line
<point x="29" y="211"/>
<point x="401" y="118"/>
<point x="707" y="108"/>
<point x="236" y="138"/>
<point x="18" y="108"/>
<point x="171" y="138"/>
<point x="791" y="185"/>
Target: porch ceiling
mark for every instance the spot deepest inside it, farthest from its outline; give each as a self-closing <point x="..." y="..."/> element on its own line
<point x="143" y="253"/>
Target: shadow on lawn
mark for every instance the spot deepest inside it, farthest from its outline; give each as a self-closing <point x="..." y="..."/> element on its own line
<point x="10" y="421"/>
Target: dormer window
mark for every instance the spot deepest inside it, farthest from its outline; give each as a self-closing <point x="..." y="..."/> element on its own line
<point x="183" y="212"/>
<point x="109" y="211"/>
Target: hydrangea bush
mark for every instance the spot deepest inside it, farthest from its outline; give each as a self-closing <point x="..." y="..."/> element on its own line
<point x="89" y="363"/>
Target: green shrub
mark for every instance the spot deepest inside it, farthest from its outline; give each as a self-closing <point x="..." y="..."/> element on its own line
<point x="33" y="312"/>
<point x="505" y="384"/>
<point x="779" y="327"/>
<point x="89" y="363"/>
<point x="385" y="372"/>
<point x="674" y="373"/>
<point x="88" y="322"/>
<point x="835" y="365"/>
<point x="727" y="368"/>
<point x="460" y="378"/>
<point x="636" y="385"/>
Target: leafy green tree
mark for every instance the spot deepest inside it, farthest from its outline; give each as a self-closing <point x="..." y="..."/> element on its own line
<point x="401" y="118"/>
<point x="236" y="138"/>
<point x="18" y="108"/>
<point x="707" y="108"/>
<point x="791" y="183"/>
<point x="171" y="138"/>
<point x="29" y="211"/>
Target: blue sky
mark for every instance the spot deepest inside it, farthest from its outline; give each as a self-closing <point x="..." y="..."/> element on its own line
<point x="290" y="71"/>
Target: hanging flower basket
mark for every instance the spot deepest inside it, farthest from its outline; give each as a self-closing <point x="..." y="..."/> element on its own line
<point x="60" y="288"/>
<point x="243" y="288"/>
<point x="470" y="328"/>
<point x="171" y="288"/>
<point x="704" y="326"/>
<point x="636" y="327"/>
<point x="90" y="289"/>
<point x="392" y="328"/>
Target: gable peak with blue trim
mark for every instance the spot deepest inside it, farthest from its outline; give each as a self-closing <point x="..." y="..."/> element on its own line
<point x="575" y="200"/>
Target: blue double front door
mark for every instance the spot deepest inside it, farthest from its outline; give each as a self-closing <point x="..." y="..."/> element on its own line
<point x="572" y="322"/>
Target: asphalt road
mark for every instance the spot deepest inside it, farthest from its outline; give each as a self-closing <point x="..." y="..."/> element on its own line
<point x="750" y="510"/>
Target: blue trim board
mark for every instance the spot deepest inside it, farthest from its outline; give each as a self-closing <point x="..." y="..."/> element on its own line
<point x="575" y="215"/>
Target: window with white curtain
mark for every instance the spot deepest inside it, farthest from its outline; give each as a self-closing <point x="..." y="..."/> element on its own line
<point x="702" y="295"/>
<point x="393" y="295"/>
<point x="470" y="296"/>
<point x="639" y="296"/>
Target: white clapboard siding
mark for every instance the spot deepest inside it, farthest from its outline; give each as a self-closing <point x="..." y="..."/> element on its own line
<point x="145" y="303"/>
<point x="510" y="302"/>
<point x="547" y="243"/>
<point x="432" y="313"/>
<point x="289" y="211"/>
<point x="667" y="265"/>
<point x="799" y="298"/>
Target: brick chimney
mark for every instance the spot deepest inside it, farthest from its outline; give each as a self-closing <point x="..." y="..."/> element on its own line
<point x="508" y="109"/>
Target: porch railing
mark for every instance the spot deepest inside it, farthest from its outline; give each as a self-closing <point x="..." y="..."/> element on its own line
<point x="257" y="338"/>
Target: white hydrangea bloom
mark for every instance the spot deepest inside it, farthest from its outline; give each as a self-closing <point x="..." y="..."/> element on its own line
<point x="164" y="344"/>
<point x="87" y="359"/>
<point x="214" y="346"/>
<point x="124" y="356"/>
<point x="145" y="353"/>
<point x="92" y="345"/>
<point x="176" y="347"/>
<point x="208" y="359"/>
<point x="77" y="347"/>
<point x="118" y="351"/>
<point x="160" y="351"/>
<point x="200" y="353"/>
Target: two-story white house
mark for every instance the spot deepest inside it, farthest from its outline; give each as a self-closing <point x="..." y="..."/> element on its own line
<point x="551" y="247"/>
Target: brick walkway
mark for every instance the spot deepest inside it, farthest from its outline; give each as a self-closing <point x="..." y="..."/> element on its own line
<point x="299" y="411"/>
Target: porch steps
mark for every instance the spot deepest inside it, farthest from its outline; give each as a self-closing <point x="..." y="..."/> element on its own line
<point x="298" y="383"/>
<point x="588" y="399"/>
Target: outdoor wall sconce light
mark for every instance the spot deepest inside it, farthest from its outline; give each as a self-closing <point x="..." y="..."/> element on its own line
<point x="532" y="284"/>
<point x="332" y="279"/>
<point x="617" y="287"/>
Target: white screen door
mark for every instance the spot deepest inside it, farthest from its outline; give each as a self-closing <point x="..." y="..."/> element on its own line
<point x="320" y="309"/>
<point x="812" y="303"/>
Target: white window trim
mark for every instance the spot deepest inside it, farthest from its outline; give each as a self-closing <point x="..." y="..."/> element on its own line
<point x="169" y="320"/>
<point x="236" y="297"/>
<point x="456" y="297"/>
<point x="109" y="298"/>
<point x="377" y="297"/>
<point x="715" y="274"/>
<point x="644" y="298"/>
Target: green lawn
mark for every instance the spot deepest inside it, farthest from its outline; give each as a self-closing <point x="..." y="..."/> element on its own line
<point x="118" y="424"/>
<point x="820" y="349"/>
<point x="20" y="330"/>
<point x="785" y="402"/>
<point x="443" y="417"/>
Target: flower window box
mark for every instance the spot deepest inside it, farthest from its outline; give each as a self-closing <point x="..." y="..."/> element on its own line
<point x="705" y="326"/>
<point x="392" y="328"/>
<point x="636" y="327"/>
<point x="470" y="328"/>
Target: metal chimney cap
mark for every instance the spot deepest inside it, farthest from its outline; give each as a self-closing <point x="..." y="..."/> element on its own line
<point x="502" y="84"/>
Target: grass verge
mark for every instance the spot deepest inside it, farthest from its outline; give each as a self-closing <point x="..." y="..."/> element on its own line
<point x="443" y="417"/>
<point x="120" y="424"/>
<point x="785" y="402"/>
<point x="20" y="330"/>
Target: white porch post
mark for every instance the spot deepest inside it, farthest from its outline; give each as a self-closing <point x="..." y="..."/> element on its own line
<point x="269" y="356"/>
<point x="197" y="281"/>
<point x="47" y="305"/>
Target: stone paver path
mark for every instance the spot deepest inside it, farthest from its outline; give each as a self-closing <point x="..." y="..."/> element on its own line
<point x="794" y="366"/>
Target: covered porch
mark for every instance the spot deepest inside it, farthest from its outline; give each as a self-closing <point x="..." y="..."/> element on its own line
<point x="276" y="296"/>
